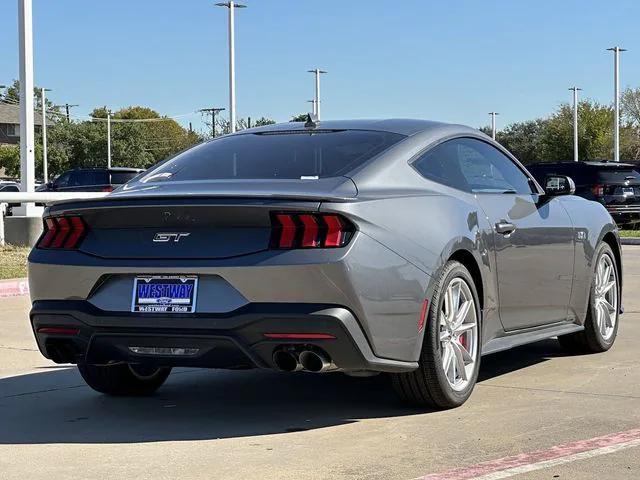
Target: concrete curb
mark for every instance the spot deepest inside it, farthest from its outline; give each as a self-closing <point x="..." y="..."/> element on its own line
<point x="630" y="240"/>
<point x="14" y="287"/>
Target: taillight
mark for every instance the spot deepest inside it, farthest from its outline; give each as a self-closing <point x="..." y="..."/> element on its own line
<point x="63" y="233"/>
<point x="598" y="190"/>
<point x="309" y="230"/>
<point x="108" y="188"/>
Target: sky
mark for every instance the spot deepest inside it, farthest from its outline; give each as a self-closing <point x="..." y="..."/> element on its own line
<point x="451" y="61"/>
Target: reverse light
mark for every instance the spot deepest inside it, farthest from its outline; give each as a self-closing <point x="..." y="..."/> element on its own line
<point x="63" y="233"/>
<point x="309" y="230"/>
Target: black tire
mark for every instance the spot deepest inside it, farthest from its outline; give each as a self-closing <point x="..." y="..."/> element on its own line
<point x="427" y="386"/>
<point x="123" y="379"/>
<point x="590" y="340"/>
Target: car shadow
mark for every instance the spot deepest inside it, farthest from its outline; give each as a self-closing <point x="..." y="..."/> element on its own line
<point x="54" y="406"/>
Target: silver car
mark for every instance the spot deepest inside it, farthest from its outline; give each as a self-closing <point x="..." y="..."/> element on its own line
<point x="401" y="246"/>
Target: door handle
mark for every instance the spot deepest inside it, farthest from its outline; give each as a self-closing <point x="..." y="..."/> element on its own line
<point x="505" y="228"/>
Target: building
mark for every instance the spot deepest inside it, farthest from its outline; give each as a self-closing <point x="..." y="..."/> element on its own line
<point x="10" y="124"/>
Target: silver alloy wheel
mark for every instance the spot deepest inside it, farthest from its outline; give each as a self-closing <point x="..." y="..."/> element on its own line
<point x="605" y="303"/>
<point x="458" y="330"/>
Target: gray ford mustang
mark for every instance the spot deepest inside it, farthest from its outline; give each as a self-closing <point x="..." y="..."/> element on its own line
<point x="400" y="246"/>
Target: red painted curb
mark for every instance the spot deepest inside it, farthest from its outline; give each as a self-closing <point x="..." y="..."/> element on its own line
<point x="14" y="288"/>
<point x="559" y="451"/>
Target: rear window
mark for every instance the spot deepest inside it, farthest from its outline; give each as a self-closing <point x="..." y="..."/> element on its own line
<point x="286" y="155"/>
<point x="119" y="178"/>
<point x="618" y="175"/>
<point x="88" y="177"/>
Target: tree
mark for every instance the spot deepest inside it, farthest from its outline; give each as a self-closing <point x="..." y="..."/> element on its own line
<point x="524" y="140"/>
<point x="262" y="121"/>
<point x="299" y="118"/>
<point x="10" y="160"/>
<point x="595" y="139"/>
<point x="12" y="95"/>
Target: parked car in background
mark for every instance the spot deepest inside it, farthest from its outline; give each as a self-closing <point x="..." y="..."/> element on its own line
<point x="6" y="187"/>
<point x="91" y="180"/>
<point x="615" y="185"/>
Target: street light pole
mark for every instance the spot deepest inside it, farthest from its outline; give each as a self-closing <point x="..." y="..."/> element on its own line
<point x="231" y="5"/>
<point x="27" y="137"/>
<point x="575" y="122"/>
<point x="43" y="100"/>
<point x="313" y="106"/>
<point x="493" y="124"/>
<point x="108" y="138"/>
<point x="67" y="107"/>
<point x="616" y="102"/>
<point x="317" y="73"/>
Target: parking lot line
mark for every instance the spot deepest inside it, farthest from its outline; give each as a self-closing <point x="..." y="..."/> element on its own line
<point x="528" y="462"/>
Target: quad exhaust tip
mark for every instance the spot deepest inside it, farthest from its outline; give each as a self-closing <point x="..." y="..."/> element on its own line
<point x="288" y="360"/>
<point x="315" y="362"/>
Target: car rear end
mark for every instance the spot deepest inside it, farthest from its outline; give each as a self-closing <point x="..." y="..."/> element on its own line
<point x="614" y="185"/>
<point x="617" y="187"/>
<point x="226" y="272"/>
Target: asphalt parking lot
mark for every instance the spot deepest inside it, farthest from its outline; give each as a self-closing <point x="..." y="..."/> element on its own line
<point x="238" y="425"/>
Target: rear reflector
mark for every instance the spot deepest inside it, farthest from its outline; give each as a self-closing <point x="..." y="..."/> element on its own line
<point x="423" y="315"/>
<point x="64" y="232"/>
<point x="59" y="330"/>
<point x="309" y="230"/>
<point x="300" y="336"/>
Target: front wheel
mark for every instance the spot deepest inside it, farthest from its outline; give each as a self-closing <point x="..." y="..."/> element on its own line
<point x="601" y="324"/>
<point x="124" y="379"/>
<point x="450" y="357"/>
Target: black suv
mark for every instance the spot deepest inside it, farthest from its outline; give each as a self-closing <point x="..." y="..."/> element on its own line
<point x="615" y="185"/>
<point x="91" y="180"/>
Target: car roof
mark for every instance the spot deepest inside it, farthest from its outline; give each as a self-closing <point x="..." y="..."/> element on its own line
<point x="402" y="126"/>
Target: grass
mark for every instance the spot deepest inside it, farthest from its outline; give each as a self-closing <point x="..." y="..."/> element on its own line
<point x="13" y="261"/>
<point x="630" y="233"/>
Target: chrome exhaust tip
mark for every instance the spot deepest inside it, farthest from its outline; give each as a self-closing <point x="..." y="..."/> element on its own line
<point x="286" y="361"/>
<point x="314" y="361"/>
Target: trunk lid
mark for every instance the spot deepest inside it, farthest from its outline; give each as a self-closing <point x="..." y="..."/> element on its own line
<point x="196" y="219"/>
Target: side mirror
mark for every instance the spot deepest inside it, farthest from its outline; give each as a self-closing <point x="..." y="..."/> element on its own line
<point x="555" y="185"/>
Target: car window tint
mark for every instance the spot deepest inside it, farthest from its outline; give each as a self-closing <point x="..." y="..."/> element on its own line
<point x="118" y="178"/>
<point x="289" y="155"/>
<point x="9" y="188"/>
<point x="472" y="165"/>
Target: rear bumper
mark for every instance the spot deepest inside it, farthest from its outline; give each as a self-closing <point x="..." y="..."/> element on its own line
<point x="624" y="213"/>
<point x="231" y="340"/>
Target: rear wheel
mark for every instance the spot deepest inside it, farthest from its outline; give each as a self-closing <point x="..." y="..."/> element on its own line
<point x="124" y="379"/>
<point x="450" y="357"/>
<point x="601" y="324"/>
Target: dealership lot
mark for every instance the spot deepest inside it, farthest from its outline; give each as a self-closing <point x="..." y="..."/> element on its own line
<point x="215" y="424"/>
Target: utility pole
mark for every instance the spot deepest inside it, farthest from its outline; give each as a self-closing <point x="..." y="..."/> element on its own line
<point x="67" y="107"/>
<point x="213" y="111"/>
<point x="27" y="137"/>
<point x="616" y="102"/>
<point x="43" y="100"/>
<point x="575" y="91"/>
<point x="317" y="73"/>
<point x="231" y="5"/>
<point x="493" y="124"/>
<point x="313" y="105"/>
<point x="108" y="138"/>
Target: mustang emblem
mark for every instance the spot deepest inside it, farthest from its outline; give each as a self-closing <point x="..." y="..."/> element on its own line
<point x="169" y="237"/>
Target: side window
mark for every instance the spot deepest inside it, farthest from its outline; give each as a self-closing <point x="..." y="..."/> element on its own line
<point x="474" y="166"/>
